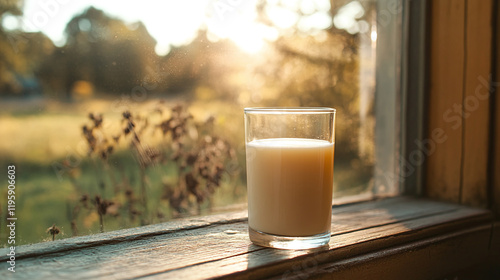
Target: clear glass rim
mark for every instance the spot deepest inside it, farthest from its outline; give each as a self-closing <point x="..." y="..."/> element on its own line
<point x="291" y="110"/>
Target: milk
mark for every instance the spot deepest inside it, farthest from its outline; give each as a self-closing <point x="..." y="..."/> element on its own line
<point x="290" y="183"/>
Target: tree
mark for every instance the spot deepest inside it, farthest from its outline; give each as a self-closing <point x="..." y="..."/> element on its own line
<point x="10" y="6"/>
<point x="102" y="51"/>
<point x="12" y="44"/>
<point x="20" y="54"/>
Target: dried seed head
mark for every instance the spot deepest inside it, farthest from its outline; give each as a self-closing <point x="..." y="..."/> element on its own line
<point x="129" y="193"/>
<point x="102" y="205"/>
<point x="53" y="230"/>
<point x="84" y="198"/>
<point x="126" y="115"/>
<point x="97" y="120"/>
<point x="191" y="159"/>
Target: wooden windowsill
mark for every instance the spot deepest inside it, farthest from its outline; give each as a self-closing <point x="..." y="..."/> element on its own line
<point x="386" y="237"/>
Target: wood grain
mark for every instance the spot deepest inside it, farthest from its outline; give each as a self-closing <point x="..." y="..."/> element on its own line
<point x="123" y="235"/>
<point x="206" y="247"/>
<point x="416" y="260"/>
<point x="267" y="262"/>
<point x="460" y="71"/>
<point x="342" y="222"/>
<point x="445" y="90"/>
<point x="476" y="103"/>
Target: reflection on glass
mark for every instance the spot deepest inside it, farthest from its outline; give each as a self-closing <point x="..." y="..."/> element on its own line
<point x="125" y="113"/>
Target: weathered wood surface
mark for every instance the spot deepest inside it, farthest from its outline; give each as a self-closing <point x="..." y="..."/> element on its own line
<point x="475" y="103"/>
<point x="123" y="235"/>
<point x="431" y="258"/>
<point x="446" y="66"/>
<point x="461" y="37"/>
<point x="218" y="246"/>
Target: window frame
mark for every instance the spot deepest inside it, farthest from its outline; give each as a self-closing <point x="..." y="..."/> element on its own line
<point x="414" y="81"/>
<point x="400" y="80"/>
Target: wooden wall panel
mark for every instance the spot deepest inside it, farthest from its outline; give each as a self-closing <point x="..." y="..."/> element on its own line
<point x="476" y="103"/>
<point x="460" y="66"/>
<point x="446" y="70"/>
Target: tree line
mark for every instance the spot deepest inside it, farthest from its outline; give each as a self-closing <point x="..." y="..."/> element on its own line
<point x="102" y="55"/>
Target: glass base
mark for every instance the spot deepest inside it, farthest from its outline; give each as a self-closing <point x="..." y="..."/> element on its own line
<point x="287" y="242"/>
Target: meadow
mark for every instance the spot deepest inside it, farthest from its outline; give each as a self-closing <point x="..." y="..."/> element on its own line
<point x="59" y="183"/>
<point x="41" y="136"/>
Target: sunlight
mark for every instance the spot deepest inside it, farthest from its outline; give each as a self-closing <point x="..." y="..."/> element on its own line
<point x="248" y="40"/>
<point x="173" y="23"/>
<point x="307" y="16"/>
<point x="10" y="22"/>
<point x="252" y="37"/>
<point x="346" y="17"/>
<point x="238" y="23"/>
<point x="170" y="23"/>
<point x="315" y="21"/>
<point x="281" y="17"/>
<point x="373" y="34"/>
<point x="177" y="23"/>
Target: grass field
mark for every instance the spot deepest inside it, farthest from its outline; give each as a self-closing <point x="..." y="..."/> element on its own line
<point x="39" y="135"/>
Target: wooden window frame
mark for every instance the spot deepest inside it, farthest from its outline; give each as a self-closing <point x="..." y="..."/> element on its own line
<point x="430" y="232"/>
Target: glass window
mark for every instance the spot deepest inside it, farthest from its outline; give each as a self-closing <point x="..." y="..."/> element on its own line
<point x="123" y="113"/>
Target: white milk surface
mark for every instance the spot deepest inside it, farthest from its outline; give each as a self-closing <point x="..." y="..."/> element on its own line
<point x="289" y="182"/>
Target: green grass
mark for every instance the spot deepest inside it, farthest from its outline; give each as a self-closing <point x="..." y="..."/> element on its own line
<point x="37" y="195"/>
<point x="37" y="139"/>
<point x="42" y="199"/>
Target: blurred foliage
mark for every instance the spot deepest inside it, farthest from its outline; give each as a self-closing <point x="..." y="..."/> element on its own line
<point x="10" y="6"/>
<point x="102" y="51"/>
<point x="20" y="54"/>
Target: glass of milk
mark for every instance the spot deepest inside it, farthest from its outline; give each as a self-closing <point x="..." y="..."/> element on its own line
<point x="289" y="156"/>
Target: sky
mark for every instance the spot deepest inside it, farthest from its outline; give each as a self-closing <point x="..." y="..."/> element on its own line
<point x="176" y="22"/>
<point x="169" y="22"/>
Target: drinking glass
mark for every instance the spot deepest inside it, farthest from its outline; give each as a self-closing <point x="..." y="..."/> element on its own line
<point x="289" y="156"/>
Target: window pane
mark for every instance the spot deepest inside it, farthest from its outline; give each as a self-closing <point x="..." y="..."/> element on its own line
<point x="123" y="113"/>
